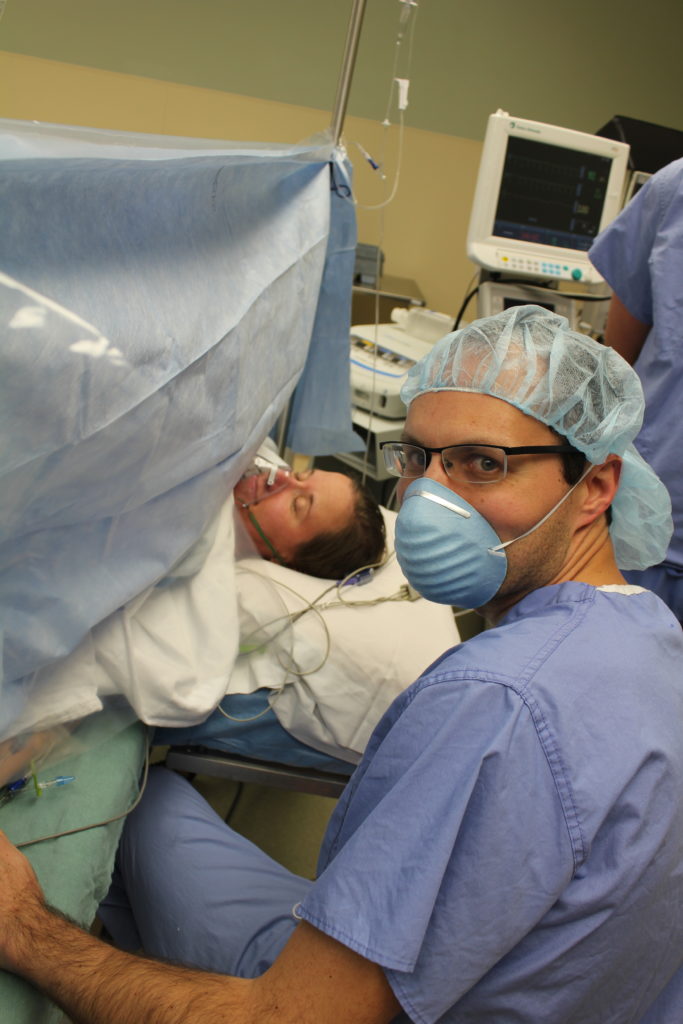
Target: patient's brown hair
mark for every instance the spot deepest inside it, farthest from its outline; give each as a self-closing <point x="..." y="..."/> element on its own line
<point x="360" y="542"/>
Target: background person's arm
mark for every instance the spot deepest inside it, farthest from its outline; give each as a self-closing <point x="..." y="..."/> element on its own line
<point x="316" y="980"/>
<point x="624" y="332"/>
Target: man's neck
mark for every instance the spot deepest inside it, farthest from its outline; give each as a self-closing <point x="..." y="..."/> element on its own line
<point x="590" y="559"/>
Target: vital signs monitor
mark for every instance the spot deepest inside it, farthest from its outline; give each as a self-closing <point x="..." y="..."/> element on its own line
<point x="543" y="194"/>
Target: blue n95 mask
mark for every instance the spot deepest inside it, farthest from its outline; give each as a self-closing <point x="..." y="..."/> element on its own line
<point x="446" y="549"/>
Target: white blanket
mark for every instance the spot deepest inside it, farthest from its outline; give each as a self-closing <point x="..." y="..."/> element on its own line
<point x="173" y="652"/>
<point x="169" y="651"/>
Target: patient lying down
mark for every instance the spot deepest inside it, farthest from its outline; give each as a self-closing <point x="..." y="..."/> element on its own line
<point x="182" y="635"/>
<point x="317" y="691"/>
<point x="312" y="696"/>
<point x="320" y="523"/>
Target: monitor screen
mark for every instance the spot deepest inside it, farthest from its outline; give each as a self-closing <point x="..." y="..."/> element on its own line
<point x="551" y="195"/>
<point x="543" y="195"/>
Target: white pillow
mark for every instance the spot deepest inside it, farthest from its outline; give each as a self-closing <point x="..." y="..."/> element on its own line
<point x="330" y="693"/>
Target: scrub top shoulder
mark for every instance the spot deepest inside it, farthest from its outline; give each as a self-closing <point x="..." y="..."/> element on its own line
<point x="516" y="824"/>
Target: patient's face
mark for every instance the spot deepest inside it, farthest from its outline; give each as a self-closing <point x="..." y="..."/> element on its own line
<point x="308" y="504"/>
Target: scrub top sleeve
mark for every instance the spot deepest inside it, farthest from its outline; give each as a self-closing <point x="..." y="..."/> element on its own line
<point x="622" y="252"/>
<point x="452" y="844"/>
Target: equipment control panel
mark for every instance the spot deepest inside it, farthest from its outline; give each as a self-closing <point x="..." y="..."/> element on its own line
<point x="381" y="356"/>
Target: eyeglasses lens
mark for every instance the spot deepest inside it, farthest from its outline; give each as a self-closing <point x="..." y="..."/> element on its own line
<point x="406" y="460"/>
<point x="475" y="464"/>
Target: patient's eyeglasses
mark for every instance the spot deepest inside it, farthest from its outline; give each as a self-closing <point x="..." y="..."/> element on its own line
<point x="462" y="463"/>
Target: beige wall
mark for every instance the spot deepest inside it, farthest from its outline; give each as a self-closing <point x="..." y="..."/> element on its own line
<point x="574" y="65"/>
<point x="422" y="232"/>
<point x="213" y="68"/>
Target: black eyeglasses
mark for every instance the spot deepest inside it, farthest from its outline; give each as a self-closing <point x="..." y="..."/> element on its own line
<point x="462" y="463"/>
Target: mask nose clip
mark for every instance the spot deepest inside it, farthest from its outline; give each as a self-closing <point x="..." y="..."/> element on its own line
<point x="439" y="500"/>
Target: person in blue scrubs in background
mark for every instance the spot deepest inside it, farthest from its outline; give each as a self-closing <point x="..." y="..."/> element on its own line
<point x="640" y="255"/>
<point x="511" y="846"/>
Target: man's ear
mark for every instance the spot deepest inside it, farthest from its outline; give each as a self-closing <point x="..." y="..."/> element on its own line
<point x="599" y="488"/>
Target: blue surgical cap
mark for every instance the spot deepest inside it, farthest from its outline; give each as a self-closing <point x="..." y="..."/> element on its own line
<point x="584" y="391"/>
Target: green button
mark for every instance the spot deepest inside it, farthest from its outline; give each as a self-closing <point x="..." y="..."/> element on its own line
<point x="576" y="274"/>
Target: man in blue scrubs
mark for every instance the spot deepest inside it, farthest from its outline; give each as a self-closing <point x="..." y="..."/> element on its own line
<point x="511" y="846"/>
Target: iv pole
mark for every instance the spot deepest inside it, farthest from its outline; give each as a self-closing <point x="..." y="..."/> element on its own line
<point x="338" y="114"/>
<point x="346" y="74"/>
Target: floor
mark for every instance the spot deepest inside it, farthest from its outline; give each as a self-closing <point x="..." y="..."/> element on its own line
<point x="287" y="826"/>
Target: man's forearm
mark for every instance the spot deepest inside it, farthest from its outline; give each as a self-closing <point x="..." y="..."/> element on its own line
<point x="314" y="980"/>
<point x="96" y="984"/>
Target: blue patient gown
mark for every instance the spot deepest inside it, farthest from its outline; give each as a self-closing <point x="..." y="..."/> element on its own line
<point x="511" y="846"/>
<point x="252" y="730"/>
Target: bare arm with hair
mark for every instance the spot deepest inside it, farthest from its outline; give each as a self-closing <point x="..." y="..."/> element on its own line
<point x="624" y="332"/>
<point x="315" y="980"/>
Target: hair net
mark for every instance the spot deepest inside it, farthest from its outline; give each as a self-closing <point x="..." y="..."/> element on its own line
<point x="584" y="391"/>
